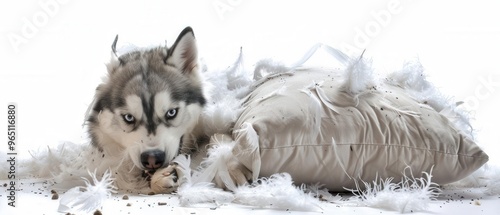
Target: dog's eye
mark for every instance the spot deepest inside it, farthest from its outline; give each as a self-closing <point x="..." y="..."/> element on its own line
<point x="129" y="119"/>
<point x="171" y="114"/>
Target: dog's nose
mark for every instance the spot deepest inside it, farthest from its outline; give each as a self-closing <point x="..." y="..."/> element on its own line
<point x="152" y="159"/>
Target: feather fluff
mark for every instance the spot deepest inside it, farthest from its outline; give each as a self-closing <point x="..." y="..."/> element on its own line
<point x="412" y="78"/>
<point x="277" y="192"/>
<point x="487" y="179"/>
<point x="492" y="181"/>
<point x="410" y="195"/>
<point x="88" y="198"/>
<point x="215" y="165"/>
<point x="321" y="194"/>
<point x="201" y="192"/>
<point x="337" y="54"/>
<point x="248" y="148"/>
<point x="358" y="77"/>
<point x="224" y="90"/>
<point x="268" y="67"/>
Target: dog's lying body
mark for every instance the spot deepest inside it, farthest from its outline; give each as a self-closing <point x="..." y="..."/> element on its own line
<point x="146" y="112"/>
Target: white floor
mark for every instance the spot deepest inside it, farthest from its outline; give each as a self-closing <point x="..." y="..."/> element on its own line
<point x="53" y="55"/>
<point x="36" y="198"/>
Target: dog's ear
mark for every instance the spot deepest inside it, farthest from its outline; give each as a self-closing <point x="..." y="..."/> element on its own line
<point x="184" y="54"/>
<point x="115" y="61"/>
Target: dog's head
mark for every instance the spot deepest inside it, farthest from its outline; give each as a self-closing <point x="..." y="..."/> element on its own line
<point x="149" y="103"/>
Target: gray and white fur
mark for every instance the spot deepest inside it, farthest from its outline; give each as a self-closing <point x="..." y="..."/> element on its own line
<point x="146" y="112"/>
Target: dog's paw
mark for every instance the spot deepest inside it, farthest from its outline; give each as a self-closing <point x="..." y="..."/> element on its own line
<point x="240" y="175"/>
<point x="231" y="173"/>
<point x="166" y="180"/>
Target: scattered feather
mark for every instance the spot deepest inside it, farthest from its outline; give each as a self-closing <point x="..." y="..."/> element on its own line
<point x="321" y="194"/>
<point x="202" y="192"/>
<point x="276" y="192"/>
<point x="224" y="91"/>
<point x="88" y="198"/>
<point x="215" y="165"/>
<point x="337" y="54"/>
<point x="269" y="67"/>
<point x="248" y="148"/>
<point x="413" y="79"/>
<point x="486" y="179"/>
<point x="358" y="77"/>
<point x="197" y="193"/>
<point x="410" y="195"/>
<point x="66" y="163"/>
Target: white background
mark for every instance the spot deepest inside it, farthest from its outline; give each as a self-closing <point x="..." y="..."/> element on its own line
<point x="53" y="52"/>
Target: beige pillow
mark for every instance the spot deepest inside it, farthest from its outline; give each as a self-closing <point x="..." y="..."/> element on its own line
<point x="305" y="124"/>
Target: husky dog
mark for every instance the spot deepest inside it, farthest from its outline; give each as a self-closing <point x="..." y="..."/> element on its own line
<point x="146" y="112"/>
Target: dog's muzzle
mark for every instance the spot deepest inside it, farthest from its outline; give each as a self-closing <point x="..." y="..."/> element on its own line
<point x="152" y="159"/>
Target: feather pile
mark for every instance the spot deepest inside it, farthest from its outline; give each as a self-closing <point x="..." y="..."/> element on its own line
<point x="223" y="92"/>
<point x="486" y="180"/>
<point x="277" y="192"/>
<point x="410" y="195"/>
<point x="194" y="193"/>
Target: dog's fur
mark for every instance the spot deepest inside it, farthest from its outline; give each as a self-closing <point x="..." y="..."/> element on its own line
<point x="146" y="112"/>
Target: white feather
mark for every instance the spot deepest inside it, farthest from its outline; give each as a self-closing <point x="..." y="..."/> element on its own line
<point x="277" y="192"/>
<point x="493" y="182"/>
<point x="238" y="78"/>
<point x="88" y="198"/>
<point x="184" y="163"/>
<point x="321" y="193"/>
<point x="412" y="78"/>
<point x="201" y="192"/>
<point x="249" y="148"/>
<point x="337" y="54"/>
<point x="224" y="92"/>
<point x="410" y="195"/>
<point x="358" y="77"/>
<point x="268" y="67"/>
<point x="215" y="165"/>
<point x="487" y="179"/>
